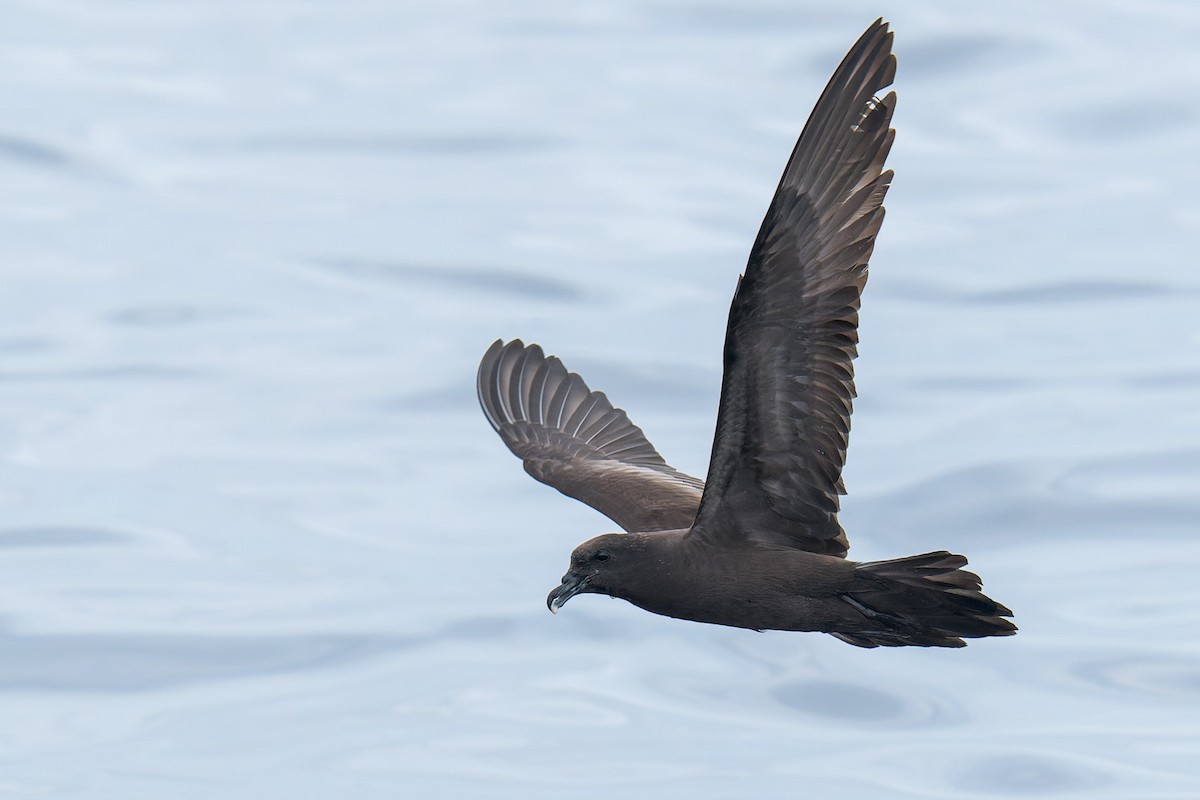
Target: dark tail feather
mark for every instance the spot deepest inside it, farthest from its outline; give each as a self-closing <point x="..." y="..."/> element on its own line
<point x="925" y="601"/>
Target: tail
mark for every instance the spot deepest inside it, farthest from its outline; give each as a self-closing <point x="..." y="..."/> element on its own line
<point x="925" y="601"/>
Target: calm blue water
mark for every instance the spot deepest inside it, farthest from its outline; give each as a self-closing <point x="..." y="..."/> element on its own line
<point x="257" y="541"/>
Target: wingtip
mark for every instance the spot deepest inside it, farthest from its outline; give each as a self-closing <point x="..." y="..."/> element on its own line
<point x="490" y="353"/>
<point x="489" y="379"/>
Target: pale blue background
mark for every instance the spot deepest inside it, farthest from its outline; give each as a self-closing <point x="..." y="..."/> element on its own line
<point x="256" y="540"/>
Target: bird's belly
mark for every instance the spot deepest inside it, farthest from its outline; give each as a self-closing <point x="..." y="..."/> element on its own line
<point x="750" y="596"/>
<point x="794" y="614"/>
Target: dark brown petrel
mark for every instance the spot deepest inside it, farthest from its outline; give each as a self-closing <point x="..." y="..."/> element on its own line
<point x="758" y="545"/>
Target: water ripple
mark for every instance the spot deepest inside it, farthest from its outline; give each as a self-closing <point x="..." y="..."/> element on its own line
<point x="55" y="536"/>
<point x="34" y="152"/>
<point x="1165" y="675"/>
<point x="434" y="144"/>
<point x="856" y="703"/>
<point x="1023" y="774"/>
<point x="504" y="281"/>
<point x="119" y="372"/>
<point x="166" y="315"/>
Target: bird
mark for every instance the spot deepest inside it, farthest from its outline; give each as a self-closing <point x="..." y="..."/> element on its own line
<point x="757" y="544"/>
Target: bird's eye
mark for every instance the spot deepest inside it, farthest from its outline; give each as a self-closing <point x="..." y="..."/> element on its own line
<point x="602" y="555"/>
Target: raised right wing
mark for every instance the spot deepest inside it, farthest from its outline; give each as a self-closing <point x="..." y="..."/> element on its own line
<point x="573" y="439"/>
<point x="784" y="418"/>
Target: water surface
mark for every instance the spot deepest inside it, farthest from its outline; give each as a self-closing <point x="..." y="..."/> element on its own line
<point x="257" y="541"/>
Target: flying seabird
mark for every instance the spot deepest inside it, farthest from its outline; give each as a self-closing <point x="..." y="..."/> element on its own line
<point x="757" y="545"/>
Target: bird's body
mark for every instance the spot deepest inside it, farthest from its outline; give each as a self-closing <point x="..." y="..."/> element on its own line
<point x="758" y="544"/>
<point x="757" y="588"/>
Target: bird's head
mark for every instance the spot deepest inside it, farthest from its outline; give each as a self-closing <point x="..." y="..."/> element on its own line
<point x="596" y="566"/>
